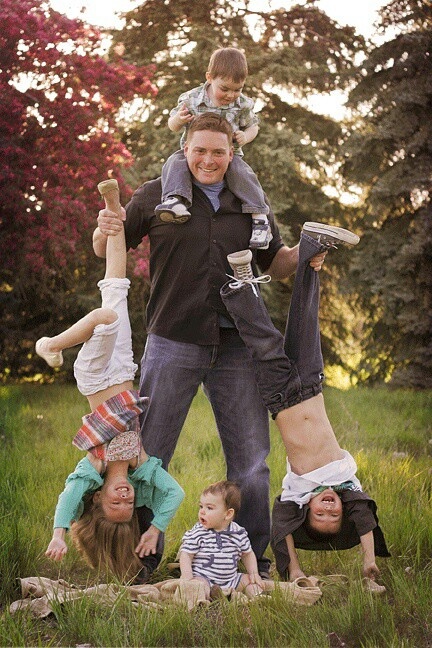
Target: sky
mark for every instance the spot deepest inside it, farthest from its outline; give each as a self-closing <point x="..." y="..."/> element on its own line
<point x="358" y="13"/>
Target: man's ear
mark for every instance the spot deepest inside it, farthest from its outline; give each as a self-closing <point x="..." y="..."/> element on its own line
<point x="96" y="497"/>
<point x="209" y="77"/>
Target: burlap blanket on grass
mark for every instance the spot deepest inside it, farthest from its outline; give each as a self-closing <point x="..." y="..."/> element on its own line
<point x="40" y="595"/>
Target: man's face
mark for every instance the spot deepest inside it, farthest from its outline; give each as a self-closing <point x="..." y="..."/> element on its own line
<point x="208" y="154"/>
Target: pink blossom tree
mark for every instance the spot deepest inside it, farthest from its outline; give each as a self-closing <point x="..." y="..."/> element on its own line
<point x="60" y="100"/>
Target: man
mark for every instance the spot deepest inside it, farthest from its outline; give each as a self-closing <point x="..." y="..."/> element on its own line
<point x="191" y="339"/>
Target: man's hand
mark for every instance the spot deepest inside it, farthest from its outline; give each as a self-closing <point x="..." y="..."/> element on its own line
<point x="109" y="222"/>
<point x="148" y="542"/>
<point x="317" y="261"/>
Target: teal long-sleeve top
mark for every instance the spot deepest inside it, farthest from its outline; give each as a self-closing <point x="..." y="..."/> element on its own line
<point x="153" y="486"/>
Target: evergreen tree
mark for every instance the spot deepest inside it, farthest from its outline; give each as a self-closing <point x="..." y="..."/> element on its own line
<point x="389" y="154"/>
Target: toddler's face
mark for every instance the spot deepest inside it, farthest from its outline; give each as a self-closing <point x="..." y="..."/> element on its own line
<point x="325" y="512"/>
<point x="223" y="91"/>
<point x="213" y="513"/>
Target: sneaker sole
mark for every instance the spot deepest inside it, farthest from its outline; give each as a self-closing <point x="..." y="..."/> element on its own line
<point x="167" y="217"/>
<point x="239" y="258"/>
<point x="337" y="233"/>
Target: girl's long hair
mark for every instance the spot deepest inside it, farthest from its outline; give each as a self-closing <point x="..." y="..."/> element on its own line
<point x="107" y="545"/>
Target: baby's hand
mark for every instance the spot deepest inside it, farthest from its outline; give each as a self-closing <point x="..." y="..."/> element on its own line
<point x="57" y="548"/>
<point x="183" y="115"/>
<point x="240" y="138"/>
<point x="148" y="542"/>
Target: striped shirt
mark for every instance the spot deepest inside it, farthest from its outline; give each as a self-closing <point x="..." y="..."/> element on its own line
<point x="238" y="113"/>
<point x="216" y="553"/>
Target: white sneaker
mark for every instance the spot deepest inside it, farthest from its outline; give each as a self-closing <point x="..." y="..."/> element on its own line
<point x="240" y="263"/>
<point x="329" y="235"/>
<point x="173" y="210"/>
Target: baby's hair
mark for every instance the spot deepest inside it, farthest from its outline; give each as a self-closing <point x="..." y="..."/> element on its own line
<point x="319" y="536"/>
<point x="229" y="491"/>
<point x="228" y="63"/>
<point x="211" y="122"/>
<point x="107" y="545"/>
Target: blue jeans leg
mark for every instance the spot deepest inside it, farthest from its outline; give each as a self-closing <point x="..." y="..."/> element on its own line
<point x="302" y="335"/>
<point x="176" y="178"/>
<point x="243" y="427"/>
<point x="276" y="374"/>
<point x="171" y="374"/>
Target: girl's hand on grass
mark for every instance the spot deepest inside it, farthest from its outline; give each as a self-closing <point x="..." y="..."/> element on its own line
<point x="148" y="542"/>
<point x="57" y="548"/>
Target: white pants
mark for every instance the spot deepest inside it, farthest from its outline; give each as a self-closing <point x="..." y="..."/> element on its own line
<point x="106" y="359"/>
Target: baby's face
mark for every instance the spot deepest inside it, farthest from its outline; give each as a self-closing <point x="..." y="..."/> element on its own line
<point x="325" y="512"/>
<point x="213" y="513"/>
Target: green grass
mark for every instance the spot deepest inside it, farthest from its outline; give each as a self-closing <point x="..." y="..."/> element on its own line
<point x="37" y="424"/>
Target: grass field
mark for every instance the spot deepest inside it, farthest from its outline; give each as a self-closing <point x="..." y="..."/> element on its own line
<point x="390" y="436"/>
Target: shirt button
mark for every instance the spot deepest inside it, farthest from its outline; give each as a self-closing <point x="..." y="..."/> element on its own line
<point x="214" y="241"/>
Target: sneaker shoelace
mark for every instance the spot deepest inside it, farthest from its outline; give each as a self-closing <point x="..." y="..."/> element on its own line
<point x="238" y="282"/>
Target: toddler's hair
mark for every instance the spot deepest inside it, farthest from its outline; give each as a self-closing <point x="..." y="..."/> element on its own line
<point x="212" y="122"/>
<point x="229" y="491"/>
<point x="107" y="546"/>
<point x="228" y="63"/>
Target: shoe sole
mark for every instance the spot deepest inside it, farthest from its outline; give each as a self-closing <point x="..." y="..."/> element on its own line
<point x="167" y="217"/>
<point x="239" y="258"/>
<point x="337" y="233"/>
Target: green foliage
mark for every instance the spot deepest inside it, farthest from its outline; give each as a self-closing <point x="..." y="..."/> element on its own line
<point x="60" y="100"/>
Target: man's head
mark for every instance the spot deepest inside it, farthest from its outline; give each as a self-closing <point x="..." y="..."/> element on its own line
<point x="208" y="148"/>
<point x="325" y="513"/>
<point x="226" y="75"/>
